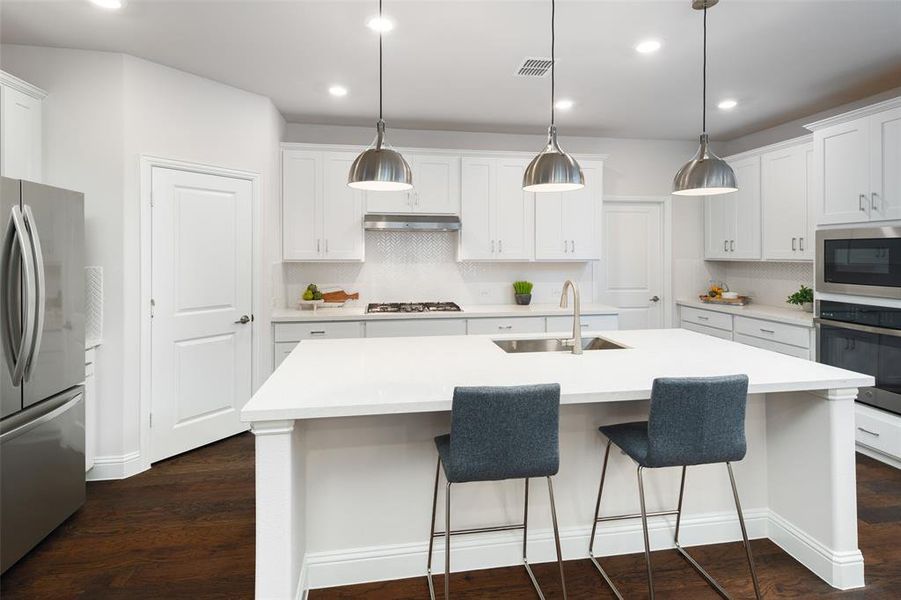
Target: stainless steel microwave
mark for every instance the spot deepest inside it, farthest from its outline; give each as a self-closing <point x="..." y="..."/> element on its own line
<point x="863" y="262"/>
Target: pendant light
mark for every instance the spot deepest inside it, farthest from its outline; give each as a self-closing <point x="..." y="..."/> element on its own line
<point x="553" y="170"/>
<point x="706" y="174"/>
<point x="379" y="167"/>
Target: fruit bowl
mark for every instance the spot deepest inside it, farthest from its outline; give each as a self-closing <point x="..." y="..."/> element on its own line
<point x="311" y="304"/>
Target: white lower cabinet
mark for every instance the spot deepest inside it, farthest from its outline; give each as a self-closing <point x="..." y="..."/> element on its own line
<point x="282" y="350"/>
<point x="878" y="431"/>
<point x="587" y="323"/>
<point x="402" y="328"/>
<point x="711" y="331"/>
<point x="770" y="345"/>
<point x="785" y="338"/>
<point x="505" y="325"/>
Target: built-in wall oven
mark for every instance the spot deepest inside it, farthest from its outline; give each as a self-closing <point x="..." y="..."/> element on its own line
<point x="867" y="339"/>
<point x="862" y="261"/>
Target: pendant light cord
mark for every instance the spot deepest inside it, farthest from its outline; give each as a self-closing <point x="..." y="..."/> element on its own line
<point x="704" y="87"/>
<point x="553" y="57"/>
<point x="381" y="26"/>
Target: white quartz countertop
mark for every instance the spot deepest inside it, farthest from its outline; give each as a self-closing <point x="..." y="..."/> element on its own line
<point x="357" y="312"/>
<point x="377" y="376"/>
<point x="781" y="314"/>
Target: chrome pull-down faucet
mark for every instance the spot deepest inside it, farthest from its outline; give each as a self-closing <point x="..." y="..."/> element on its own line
<point x="577" y="314"/>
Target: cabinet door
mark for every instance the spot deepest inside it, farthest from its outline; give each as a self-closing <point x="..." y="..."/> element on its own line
<point x="20" y="135"/>
<point x="436" y="184"/>
<point x="342" y="210"/>
<point x="842" y="171"/>
<point x="784" y="203"/>
<point x="513" y="214"/>
<point x="477" y="208"/>
<point x="280" y="351"/>
<point x="715" y="210"/>
<point x="302" y="190"/>
<point x="550" y="244"/>
<point x="580" y="211"/>
<point x="389" y="202"/>
<point x="885" y="165"/>
<point x="807" y="243"/>
<point x="743" y="211"/>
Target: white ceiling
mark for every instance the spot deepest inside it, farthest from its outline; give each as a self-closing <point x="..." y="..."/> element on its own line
<point x="449" y="64"/>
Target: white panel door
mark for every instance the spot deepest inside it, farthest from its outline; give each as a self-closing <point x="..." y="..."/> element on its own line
<point x="201" y="287"/>
<point x="744" y="228"/>
<point x="436" y="184"/>
<point x="20" y="138"/>
<point x="342" y="210"/>
<point x="631" y="266"/>
<point x="550" y="244"/>
<point x="784" y="203"/>
<point x="477" y="209"/>
<point x="302" y="190"/>
<point x="513" y="215"/>
<point x="885" y="165"/>
<point x="843" y="172"/>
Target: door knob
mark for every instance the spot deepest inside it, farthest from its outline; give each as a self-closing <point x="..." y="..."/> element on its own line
<point x="655" y="299"/>
<point x="244" y="320"/>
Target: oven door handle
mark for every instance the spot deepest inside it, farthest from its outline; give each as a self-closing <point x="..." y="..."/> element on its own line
<point x="857" y="327"/>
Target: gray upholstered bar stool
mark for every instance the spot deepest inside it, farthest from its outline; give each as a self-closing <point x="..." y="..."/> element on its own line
<point x="499" y="433"/>
<point x="692" y="421"/>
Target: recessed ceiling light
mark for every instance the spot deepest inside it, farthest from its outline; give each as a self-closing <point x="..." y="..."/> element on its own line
<point x="563" y="104"/>
<point x="380" y="24"/>
<point x="727" y="104"/>
<point x="337" y="90"/>
<point x="108" y="4"/>
<point x="648" y="47"/>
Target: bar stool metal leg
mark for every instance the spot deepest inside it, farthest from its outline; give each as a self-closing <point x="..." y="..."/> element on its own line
<point x="550" y="489"/>
<point x="744" y="533"/>
<point x="432" y="532"/>
<point x="647" y="541"/>
<point x="525" y="538"/>
<point x="447" y="536"/>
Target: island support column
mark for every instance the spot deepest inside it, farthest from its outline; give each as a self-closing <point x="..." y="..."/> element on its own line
<point x="812" y="482"/>
<point x="280" y="493"/>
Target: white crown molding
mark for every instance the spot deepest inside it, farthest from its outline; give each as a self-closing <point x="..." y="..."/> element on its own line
<point x="433" y="151"/>
<point x="858" y="113"/>
<point x="791" y="143"/>
<point x="23" y="86"/>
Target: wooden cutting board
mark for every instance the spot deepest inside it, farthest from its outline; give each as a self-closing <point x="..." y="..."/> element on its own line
<point x="339" y="296"/>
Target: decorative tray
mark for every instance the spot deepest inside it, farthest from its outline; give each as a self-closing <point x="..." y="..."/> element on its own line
<point x="740" y="301"/>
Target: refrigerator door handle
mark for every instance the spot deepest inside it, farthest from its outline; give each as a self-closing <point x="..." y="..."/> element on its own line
<point x="18" y="233"/>
<point x="40" y="297"/>
<point x="6" y="329"/>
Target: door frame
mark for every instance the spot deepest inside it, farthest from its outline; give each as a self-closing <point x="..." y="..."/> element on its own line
<point x="147" y="164"/>
<point x="666" y="204"/>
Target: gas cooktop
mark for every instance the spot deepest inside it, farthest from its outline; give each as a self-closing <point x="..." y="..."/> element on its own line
<point x="412" y="307"/>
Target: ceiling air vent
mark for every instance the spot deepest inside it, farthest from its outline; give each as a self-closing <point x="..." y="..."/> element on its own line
<point x="534" y="67"/>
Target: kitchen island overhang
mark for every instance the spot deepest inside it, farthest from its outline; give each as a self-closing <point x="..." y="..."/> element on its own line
<point x="345" y="460"/>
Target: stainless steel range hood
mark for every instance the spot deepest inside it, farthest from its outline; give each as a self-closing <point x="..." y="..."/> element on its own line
<point x="411" y="222"/>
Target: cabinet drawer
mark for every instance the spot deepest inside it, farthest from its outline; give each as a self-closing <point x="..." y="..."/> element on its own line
<point x="294" y="332"/>
<point x="589" y="323"/>
<point x="281" y="350"/>
<point x="712" y="331"/>
<point x="413" y="327"/>
<point x="774" y="332"/>
<point x="773" y="346"/>
<point x="511" y="325"/>
<point x="708" y="318"/>
<point x="878" y="430"/>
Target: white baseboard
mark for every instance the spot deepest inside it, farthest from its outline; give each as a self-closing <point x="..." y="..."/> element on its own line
<point x="876" y="455"/>
<point x="842" y="570"/>
<point x="116" y="467"/>
<point x="485" y="551"/>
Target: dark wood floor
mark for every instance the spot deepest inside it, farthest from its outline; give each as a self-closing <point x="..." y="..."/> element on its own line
<point x="185" y="529"/>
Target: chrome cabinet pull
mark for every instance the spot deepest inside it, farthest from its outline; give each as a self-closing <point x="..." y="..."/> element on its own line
<point x="317" y="333"/>
<point x="863" y="202"/>
<point x="317" y="245"/>
<point x="703" y="318"/>
<point x="505" y="326"/>
<point x="565" y="246"/>
<point x="873" y="197"/>
<point x="583" y="325"/>
<point x="731" y="245"/>
<point x="793" y="244"/>
<point x="326" y="245"/>
<point x="725" y="245"/>
<point x="873" y="433"/>
<point x="500" y="246"/>
<point x="801" y="244"/>
<point x="573" y="244"/>
<point x="767" y="330"/>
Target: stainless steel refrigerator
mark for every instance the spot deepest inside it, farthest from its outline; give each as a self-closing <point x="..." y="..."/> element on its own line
<point x="42" y="434"/>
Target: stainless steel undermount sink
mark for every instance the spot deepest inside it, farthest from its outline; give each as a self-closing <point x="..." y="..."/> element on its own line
<point x="554" y="345"/>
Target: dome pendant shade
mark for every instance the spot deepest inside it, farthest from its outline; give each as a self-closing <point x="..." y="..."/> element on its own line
<point x="706" y="174"/>
<point x="380" y="168"/>
<point x="553" y="170"/>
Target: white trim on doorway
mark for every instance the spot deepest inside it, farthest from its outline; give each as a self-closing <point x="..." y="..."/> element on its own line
<point x="147" y="163"/>
<point x="666" y="203"/>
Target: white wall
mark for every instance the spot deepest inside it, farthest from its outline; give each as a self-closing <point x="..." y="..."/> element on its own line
<point x="102" y="112"/>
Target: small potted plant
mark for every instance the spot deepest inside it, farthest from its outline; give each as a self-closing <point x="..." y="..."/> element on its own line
<point x="802" y="298"/>
<point x="523" y="292"/>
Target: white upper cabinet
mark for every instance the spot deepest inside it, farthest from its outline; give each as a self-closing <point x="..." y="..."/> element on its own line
<point x="322" y="218"/>
<point x="786" y="203"/>
<point x="732" y="221"/>
<point x="566" y="224"/>
<point x="20" y="128"/>
<point x="436" y="187"/>
<point x="857" y="165"/>
<point x="497" y="214"/>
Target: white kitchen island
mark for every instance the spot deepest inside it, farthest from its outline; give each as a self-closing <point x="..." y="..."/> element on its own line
<point x="345" y="461"/>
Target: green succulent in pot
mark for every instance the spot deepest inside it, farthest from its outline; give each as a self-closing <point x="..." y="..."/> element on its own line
<point x="522" y="291"/>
